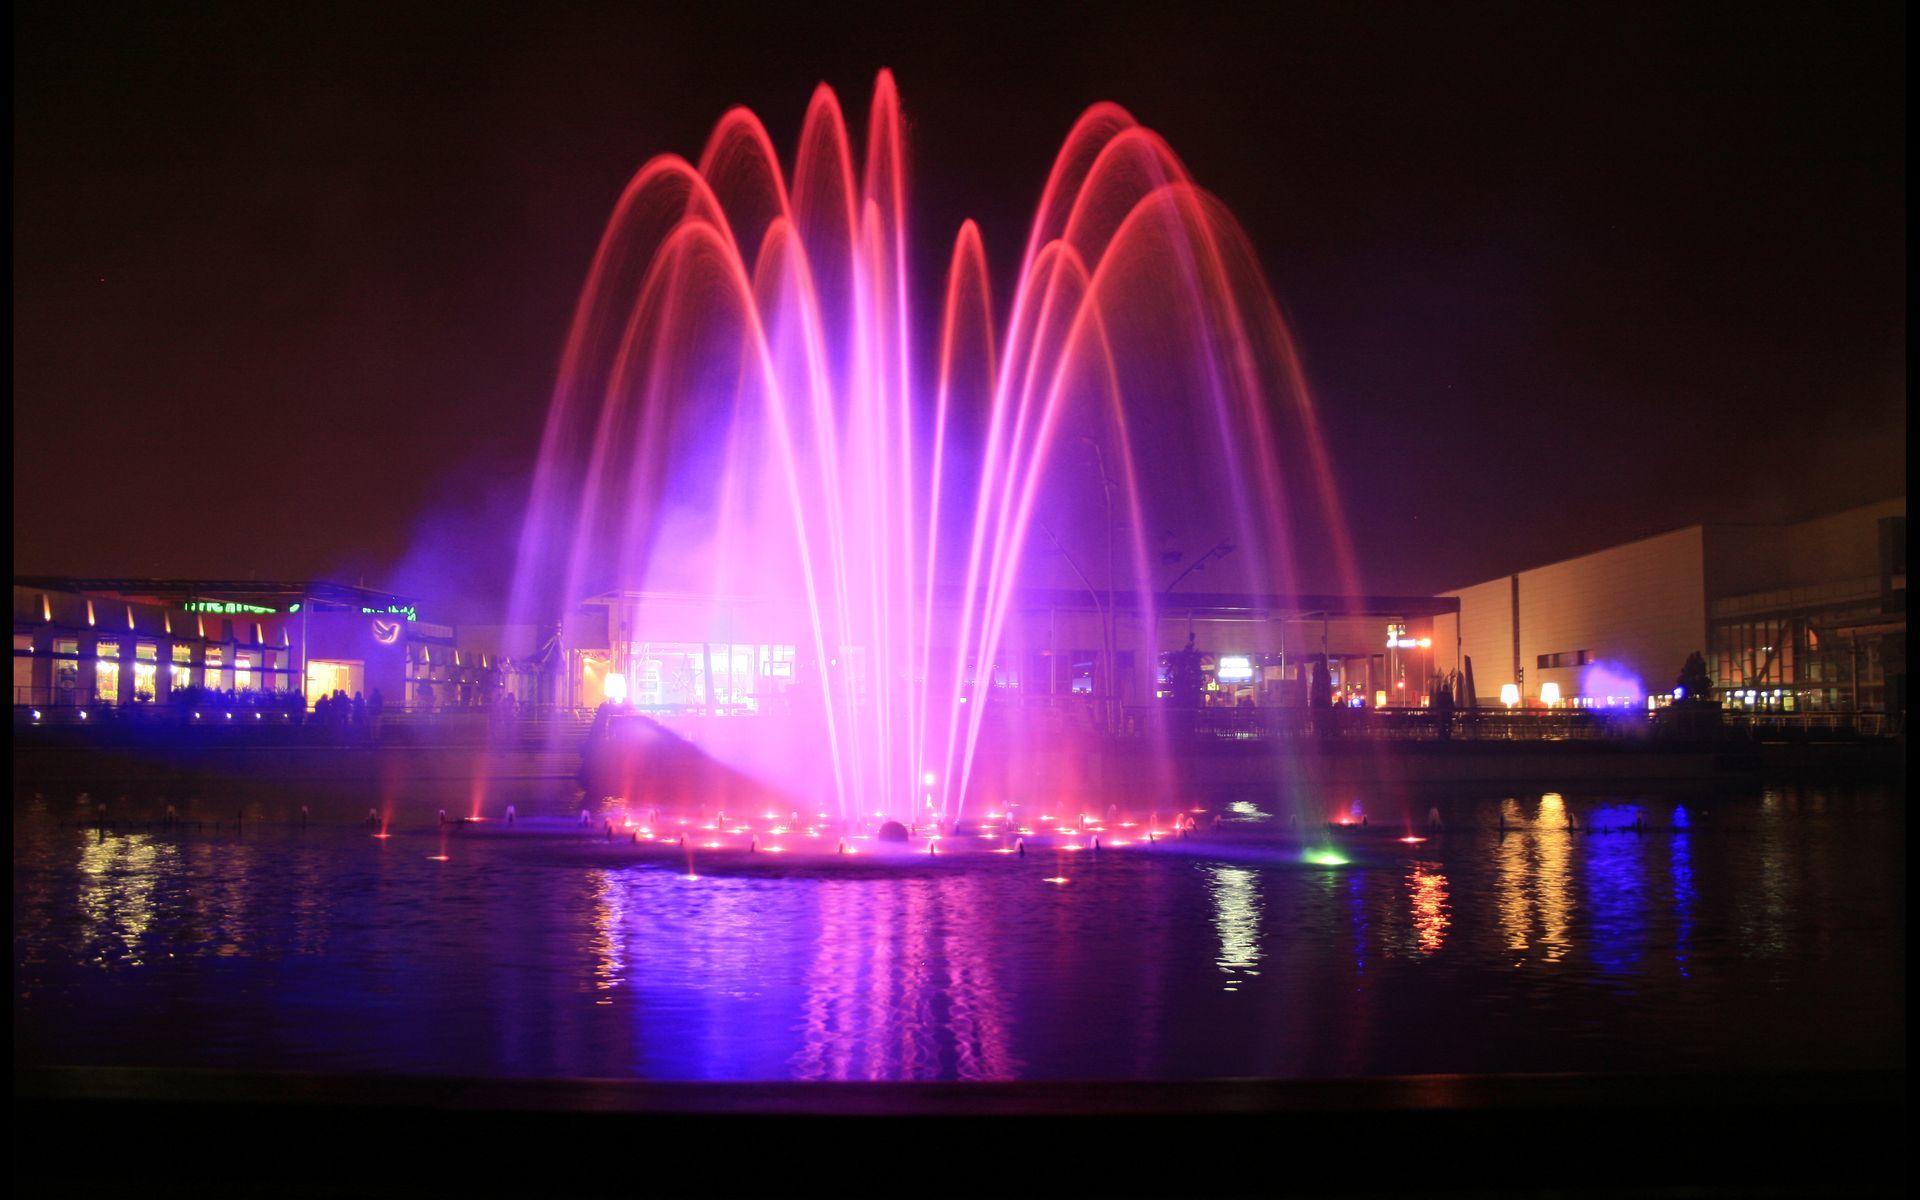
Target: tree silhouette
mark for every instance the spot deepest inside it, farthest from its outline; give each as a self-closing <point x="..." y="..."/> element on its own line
<point x="1695" y="684"/>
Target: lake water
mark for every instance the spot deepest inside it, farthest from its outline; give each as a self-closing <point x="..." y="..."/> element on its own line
<point x="1747" y="930"/>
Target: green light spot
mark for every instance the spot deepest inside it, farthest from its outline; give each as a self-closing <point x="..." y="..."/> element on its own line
<point x="1325" y="858"/>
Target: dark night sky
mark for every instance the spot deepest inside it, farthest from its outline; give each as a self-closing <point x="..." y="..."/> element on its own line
<point x="290" y="283"/>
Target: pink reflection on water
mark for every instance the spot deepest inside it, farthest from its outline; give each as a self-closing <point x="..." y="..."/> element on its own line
<point x="914" y="960"/>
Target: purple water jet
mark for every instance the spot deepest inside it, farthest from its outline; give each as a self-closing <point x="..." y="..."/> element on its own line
<point x="744" y="436"/>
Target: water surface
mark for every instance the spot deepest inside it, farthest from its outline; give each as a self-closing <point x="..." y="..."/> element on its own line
<point x="1749" y="931"/>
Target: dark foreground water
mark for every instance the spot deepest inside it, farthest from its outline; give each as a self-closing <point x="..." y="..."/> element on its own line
<point x="1746" y="931"/>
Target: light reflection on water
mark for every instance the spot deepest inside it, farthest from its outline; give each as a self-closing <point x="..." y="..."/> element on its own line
<point x="1535" y="884"/>
<point x="1428" y="894"/>
<point x="1509" y="943"/>
<point x="1680" y="867"/>
<point x="117" y="879"/>
<point x="1236" y="919"/>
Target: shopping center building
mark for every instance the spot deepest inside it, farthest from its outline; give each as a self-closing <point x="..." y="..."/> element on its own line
<point x="91" y="642"/>
<point x="81" y="642"/>
<point x="1801" y="617"/>
<point x="734" y="655"/>
<point x="1807" y="617"/>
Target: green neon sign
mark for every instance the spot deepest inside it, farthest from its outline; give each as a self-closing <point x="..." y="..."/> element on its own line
<point x="228" y="607"/>
<point x="401" y="610"/>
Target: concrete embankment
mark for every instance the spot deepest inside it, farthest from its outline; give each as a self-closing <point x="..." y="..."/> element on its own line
<point x="373" y="764"/>
<point x="1370" y="763"/>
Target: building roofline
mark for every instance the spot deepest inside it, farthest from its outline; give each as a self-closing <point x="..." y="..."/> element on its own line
<point x="1700" y="525"/>
<point x="1900" y="499"/>
<point x="192" y="589"/>
<point x="1196" y="603"/>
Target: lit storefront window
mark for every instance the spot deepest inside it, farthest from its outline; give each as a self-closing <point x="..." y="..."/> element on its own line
<point x="776" y="662"/>
<point x="146" y="671"/>
<point x="671" y="675"/>
<point x="430" y="677"/>
<point x="243" y="665"/>
<point x="106" y="672"/>
<point x="181" y="673"/>
<point x="740" y="676"/>
<point x="23" y="668"/>
<point x="215" y="677"/>
<point x="325" y="677"/>
<point x="66" y="670"/>
<point x="725" y="677"/>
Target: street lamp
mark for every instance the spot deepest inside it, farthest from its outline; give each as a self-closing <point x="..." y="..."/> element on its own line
<point x="1108" y="635"/>
<point x="1220" y="550"/>
<point x="1103" y="610"/>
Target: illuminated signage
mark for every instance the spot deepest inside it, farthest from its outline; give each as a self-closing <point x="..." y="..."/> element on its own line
<point x="399" y="610"/>
<point x="386" y="632"/>
<point x="1397" y="639"/>
<point x="1235" y="668"/>
<point x="225" y="606"/>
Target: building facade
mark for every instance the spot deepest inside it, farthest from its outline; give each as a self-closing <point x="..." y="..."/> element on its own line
<point x="677" y="652"/>
<point x="1802" y="617"/>
<point x="93" y="642"/>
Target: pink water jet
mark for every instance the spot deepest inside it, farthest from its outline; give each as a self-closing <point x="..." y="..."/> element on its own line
<point x="745" y="414"/>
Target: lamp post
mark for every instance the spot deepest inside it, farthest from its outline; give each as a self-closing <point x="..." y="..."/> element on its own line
<point x="1100" y="609"/>
<point x="1108" y="636"/>
<point x="1220" y="550"/>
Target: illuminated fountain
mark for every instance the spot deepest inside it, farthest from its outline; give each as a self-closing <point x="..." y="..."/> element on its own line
<point x="752" y="408"/>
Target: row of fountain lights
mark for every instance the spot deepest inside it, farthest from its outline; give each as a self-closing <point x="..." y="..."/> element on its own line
<point x="40" y="716"/>
<point x="1088" y="831"/>
<point x="1091" y="830"/>
<point x="1550" y="697"/>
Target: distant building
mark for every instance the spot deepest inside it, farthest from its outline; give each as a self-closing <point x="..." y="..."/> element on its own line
<point x="694" y="653"/>
<point x="79" y="642"/>
<point x="1804" y="617"/>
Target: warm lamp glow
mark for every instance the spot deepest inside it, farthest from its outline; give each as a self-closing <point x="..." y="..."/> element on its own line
<point x="1509" y="694"/>
<point x="1550" y="694"/>
<point x="616" y="687"/>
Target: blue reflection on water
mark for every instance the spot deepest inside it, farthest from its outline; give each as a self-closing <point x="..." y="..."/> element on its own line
<point x="1616" y="887"/>
<point x="1680" y="865"/>
<point x="1357" y="908"/>
<point x="532" y="953"/>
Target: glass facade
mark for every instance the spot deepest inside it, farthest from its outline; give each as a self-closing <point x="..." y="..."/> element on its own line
<point x="724" y="677"/>
<point x="146" y="672"/>
<point x="106" y="671"/>
<point x="66" y="671"/>
<point x="23" y="669"/>
<point x="326" y="676"/>
<point x="1827" y="660"/>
